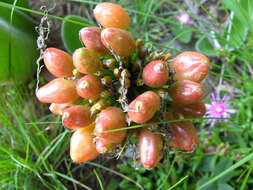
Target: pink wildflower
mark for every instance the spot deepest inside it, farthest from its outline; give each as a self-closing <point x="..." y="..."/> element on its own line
<point x="184" y="18"/>
<point x="218" y="108"/>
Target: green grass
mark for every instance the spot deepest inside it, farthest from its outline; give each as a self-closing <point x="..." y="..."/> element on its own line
<point x="34" y="147"/>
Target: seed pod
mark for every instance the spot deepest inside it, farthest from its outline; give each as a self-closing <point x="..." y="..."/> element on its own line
<point x="77" y="74"/>
<point x="90" y="37"/>
<point x="194" y="110"/>
<point x="139" y="82"/>
<point x="106" y="80"/>
<point x="59" y="91"/>
<point x="89" y="87"/>
<point x="103" y="146"/>
<point x="184" y="136"/>
<point x="86" y="61"/>
<point x="58" y="109"/>
<point x="58" y="62"/>
<point x="108" y="119"/>
<point x="99" y="73"/>
<point x="82" y="147"/>
<point x="155" y="74"/>
<point x="144" y="107"/>
<point x="190" y="66"/>
<point x="117" y="72"/>
<point x="167" y="57"/>
<point x="150" y="148"/>
<point x="125" y="82"/>
<point x="105" y="94"/>
<point x="162" y="93"/>
<point x="186" y="92"/>
<point x="111" y="15"/>
<point x="120" y="41"/>
<point x="77" y="116"/>
<point x="125" y="73"/>
<point x="109" y="63"/>
<point x="99" y="106"/>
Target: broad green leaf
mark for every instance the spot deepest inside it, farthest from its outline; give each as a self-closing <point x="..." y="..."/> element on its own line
<point x="70" y="32"/>
<point x="221" y="166"/>
<point x="225" y="187"/>
<point x="204" y="46"/>
<point x="21" y="3"/>
<point x="212" y="186"/>
<point x="238" y="33"/>
<point x="183" y="33"/>
<point x="18" y="50"/>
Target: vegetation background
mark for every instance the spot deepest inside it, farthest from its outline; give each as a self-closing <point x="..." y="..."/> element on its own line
<point x="34" y="146"/>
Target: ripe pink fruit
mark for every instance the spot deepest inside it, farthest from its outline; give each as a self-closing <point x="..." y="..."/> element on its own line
<point x="86" y="61"/>
<point x="90" y="36"/>
<point x="77" y="116"/>
<point x="190" y="66"/>
<point x="144" y="107"/>
<point x="58" y="62"/>
<point x="150" y="148"/>
<point x="82" y="148"/>
<point x="155" y="74"/>
<point x="111" y="15"/>
<point x="186" y="92"/>
<point x="120" y="41"/>
<point x="111" y="118"/>
<point x="89" y="87"/>
<point x="59" y="91"/>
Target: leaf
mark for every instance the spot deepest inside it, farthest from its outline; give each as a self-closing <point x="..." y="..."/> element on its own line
<point x="204" y="46"/>
<point x="225" y="187"/>
<point x="18" y="50"/>
<point x="183" y="33"/>
<point x="113" y="185"/>
<point x="70" y="32"/>
<point x="221" y="166"/>
<point x="21" y="3"/>
<point x="238" y="33"/>
<point x="204" y="180"/>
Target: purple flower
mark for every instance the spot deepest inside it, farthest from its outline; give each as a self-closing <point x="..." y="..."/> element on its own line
<point x="184" y="18"/>
<point x="218" y="108"/>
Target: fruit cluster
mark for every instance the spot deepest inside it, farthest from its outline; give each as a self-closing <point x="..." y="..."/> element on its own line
<point x="113" y="75"/>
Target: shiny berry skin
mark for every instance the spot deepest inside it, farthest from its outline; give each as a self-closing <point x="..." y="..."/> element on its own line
<point x="143" y="107"/>
<point x="82" y="148"/>
<point x="184" y="136"/>
<point x="89" y="87"/>
<point x="155" y="74"/>
<point x="194" y="110"/>
<point x="190" y="66"/>
<point x="108" y="119"/>
<point x="86" y="60"/>
<point x="186" y="92"/>
<point x="58" y="62"/>
<point x="111" y="15"/>
<point x="59" y="91"/>
<point x="120" y="41"/>
<point x="77" y="116"/>
<point x="58" y="109"/>
<point x="150" y="148"/>
<point x="103" y="146"/>
<point x="90" y="36"/>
